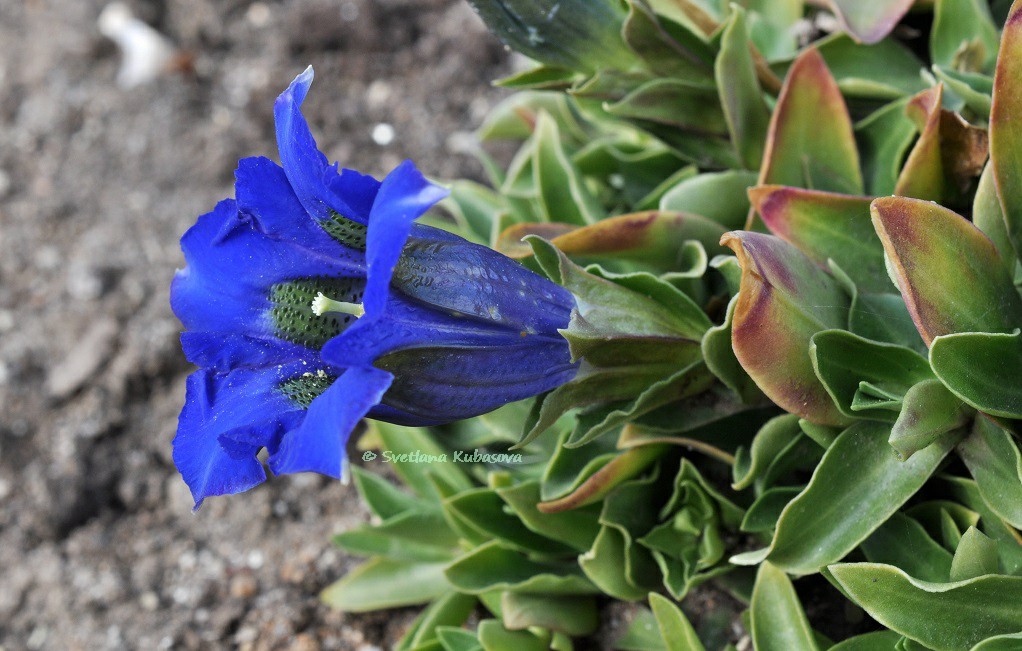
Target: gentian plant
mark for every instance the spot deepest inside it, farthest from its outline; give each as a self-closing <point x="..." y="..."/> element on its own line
<point x="745" y="303"/>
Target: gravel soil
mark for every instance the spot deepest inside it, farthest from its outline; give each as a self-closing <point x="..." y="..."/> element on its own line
<point x="99" y="548"/>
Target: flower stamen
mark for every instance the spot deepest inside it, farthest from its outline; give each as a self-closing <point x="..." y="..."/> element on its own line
<point x="322" y="304"/>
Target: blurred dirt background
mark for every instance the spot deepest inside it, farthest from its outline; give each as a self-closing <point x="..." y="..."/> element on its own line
<point x="99" y="548"/>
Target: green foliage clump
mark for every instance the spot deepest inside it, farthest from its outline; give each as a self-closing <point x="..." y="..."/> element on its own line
<point x="793" y="233"/>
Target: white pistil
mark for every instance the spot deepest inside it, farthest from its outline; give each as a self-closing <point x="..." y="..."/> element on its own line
<point x="323" y="305"/>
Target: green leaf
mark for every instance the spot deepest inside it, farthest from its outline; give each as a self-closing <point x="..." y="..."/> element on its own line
<point x="412" y="536"/>
<point x="719" y="357"/>
<point x="563" y="195"/>
<point x="928" y="412"/>
<point x="482" y="509"/>
<point x="619" y="566"/>
<point x="653" y="239"/>
<point x="675" y="629"/>
<point x="973" y="89"/>
<point x="383" y="583"/>
<point x="493" y="566"/>
<point x="687" y="543"/>
<point x="668" y="48"/>
<point x="848" y="364"/>
<point x="675" y="104"/>
<point x="948" y="156"/>
<point x="810" y="142"/>
<point x="957" y="23"/>
<point x="1009" y="642"/>
<point x="882" y="71"/>
<point x="494" y="637"/>
<point x="1005" y="136"/>
<point x="993" y="458"/>
<point x="452" y="609"/>
<point x="643" y="634"/>
<point x="904" y="543"/>
<point x="944" y="616"/>
<point x="1009" y="541"/>
<point x="578" y="34"/>
<point x="981" y="369"/>
<point x="857" y="486"/>
<point x="740" y="94"/>
<point x="540" y="78"/>
<point x="577" y="528"/>
<point x="877" y="641"/>
<point x="570" y="615"/>
<point x="869" y="22"/>
<point x="475" y="209"/>
<point x="456" y="639"/>
<point x="407" y="440"/>
<point x="989" y="218"/>
<point x="826" y="226"/>
<point x="976" y="556"/>
<point x="949" y="273"/>
<point x="719" y="196"/>
<point x="785" y="299"/>
<point x="762" y="516"/>
<point x="770" y="441"/>
<point x="383" y="498"/>
<point x="778" y="621"/>
<point x="884" y="139"/>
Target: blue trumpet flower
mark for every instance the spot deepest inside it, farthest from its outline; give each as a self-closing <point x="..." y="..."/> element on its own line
<point x="313" y="300"/>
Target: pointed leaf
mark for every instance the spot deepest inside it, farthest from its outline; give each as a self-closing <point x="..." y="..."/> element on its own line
<point x="810" y="143"/>
<point x="740" y="94"/>
<point x="824" y="225"/>
<point x="976" y="556"/>
<point x="995" y="462"/>
<point x="719" y="196"/>
<point x="675" y="629"/>
<point x="1005" y="136"/>
<point x="928" y="412"/>
<point x="778" y="621"/>
<point x="949" y="273"/>
<point x="654" y="238"/>
<point x="382" y="583"/>
<point x="949" y="154"/>
<point x="869" y="22"/>
<point x="495" y="567"/>
<point x="785" y="299"/>
<point x="989" y="218"/>
<point x="961" y="22"/>
<point x="562" y="192"/>
<point x="885" y="138"/>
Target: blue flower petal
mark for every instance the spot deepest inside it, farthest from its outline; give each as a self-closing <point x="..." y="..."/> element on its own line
<point x="407" y="324"/>
<point x="318" y="444"/>
<point x="460" y="276"/>
<point x="312" y="177"/>
<point x="217" y="404"/>
<point x="226" y="351"/>
<point x="232" y="264"/>
<point x="403" y="197"/>
<point x="450" y="383"/>
<point x="358" y="191"/>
